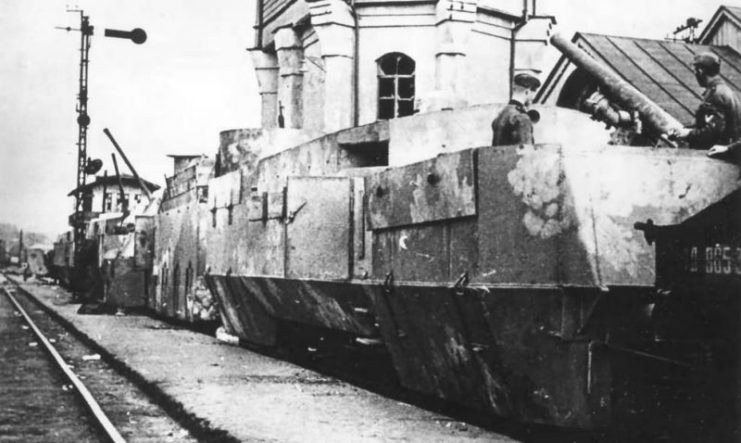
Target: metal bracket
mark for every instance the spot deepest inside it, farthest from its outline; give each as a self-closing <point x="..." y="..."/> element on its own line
<point x="388" y="282"/>
<point x="461" y="283"/>
<point x="292" y="214"/>
<point x="648" y="228"/>
<point x="388" y="288"/>
<point x="590" y="313"/>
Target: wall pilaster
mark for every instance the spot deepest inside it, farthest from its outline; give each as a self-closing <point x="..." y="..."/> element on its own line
<point x="290" y="77"/>
<point x="334" y="23"/>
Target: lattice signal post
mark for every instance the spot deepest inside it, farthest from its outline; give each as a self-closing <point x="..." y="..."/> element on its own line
<point x="85" y="167"/>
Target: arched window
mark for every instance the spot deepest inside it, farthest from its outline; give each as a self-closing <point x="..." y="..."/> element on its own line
<point x="395" y="85"/>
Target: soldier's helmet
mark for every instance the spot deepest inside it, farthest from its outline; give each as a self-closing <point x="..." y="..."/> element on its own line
<point x="707" y="60"/>
<point x="527" y="80"/>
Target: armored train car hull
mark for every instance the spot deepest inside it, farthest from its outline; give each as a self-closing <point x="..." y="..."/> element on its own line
<point x="506" y="279"/>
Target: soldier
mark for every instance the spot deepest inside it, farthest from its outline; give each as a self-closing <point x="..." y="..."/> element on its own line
<point x="513" y="125"/>
<point x="718" y="119"/>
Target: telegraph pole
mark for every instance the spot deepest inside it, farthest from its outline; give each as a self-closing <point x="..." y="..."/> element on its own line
<point x="84" y="166"/>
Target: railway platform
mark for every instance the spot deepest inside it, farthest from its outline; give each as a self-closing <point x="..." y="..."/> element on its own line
<point x="247" y="395"/>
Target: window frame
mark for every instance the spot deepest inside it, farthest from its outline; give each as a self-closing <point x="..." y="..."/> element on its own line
<point x="397" y="97"/>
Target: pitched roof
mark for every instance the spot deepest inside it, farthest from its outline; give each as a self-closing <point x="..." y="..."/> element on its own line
<point x="112" y="181"/>
<point x="660" y="69"/>
<point x="734" y="10"/>
<point x="730" y="12"/>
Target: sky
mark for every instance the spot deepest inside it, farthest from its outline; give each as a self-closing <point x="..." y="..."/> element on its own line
<point x="191" y="79"/>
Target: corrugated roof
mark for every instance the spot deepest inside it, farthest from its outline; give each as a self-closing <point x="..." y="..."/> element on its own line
<point x="661" y="69"/>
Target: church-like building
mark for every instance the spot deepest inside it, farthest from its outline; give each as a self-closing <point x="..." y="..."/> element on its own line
<point x="326" y="65"/>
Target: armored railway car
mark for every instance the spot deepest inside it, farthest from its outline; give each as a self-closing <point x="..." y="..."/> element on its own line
<point x="179" y="291"/>
<point x="506" y="279"/>
<point x="695" y="326"/>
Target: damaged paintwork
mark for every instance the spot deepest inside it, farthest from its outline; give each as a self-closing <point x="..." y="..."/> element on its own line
<point x="144" y="244"/>
<point x="491" y="274"/>
<point x="572" y="209"/>
<point x="665" y="185"/>
<point x="538" y="180"/>
<point x="433" y="190"/>
<point x="225" y="191"/>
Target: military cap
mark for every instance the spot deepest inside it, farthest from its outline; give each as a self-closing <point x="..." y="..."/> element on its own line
<point x="527" y="81"/>
<point x="706" y="60"/>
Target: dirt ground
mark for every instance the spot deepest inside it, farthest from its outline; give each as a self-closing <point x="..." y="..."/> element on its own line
<point x="250" y="396"/>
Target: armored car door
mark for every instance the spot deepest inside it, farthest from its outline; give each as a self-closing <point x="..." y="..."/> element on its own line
<point x="318" y="222"/>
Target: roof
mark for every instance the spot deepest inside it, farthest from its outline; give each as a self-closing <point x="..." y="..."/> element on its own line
<point x="185" y="155"/>
<point x="733" y="10"/>
<point x="732" y="13"/>
<point x="111" y="181"/>
<point x="660" y="69"/>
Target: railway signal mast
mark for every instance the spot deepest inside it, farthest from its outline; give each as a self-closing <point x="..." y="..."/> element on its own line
<point x="84" y="164"/>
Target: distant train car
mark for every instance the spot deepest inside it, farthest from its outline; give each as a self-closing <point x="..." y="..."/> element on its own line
<point x="82" y="280"/>
<point x="124" y="257"/>
<point x="697" y="318"/>
<point x="116" y="221"/>
<point x="62" y="259"/>
<point x="36" y="259"/>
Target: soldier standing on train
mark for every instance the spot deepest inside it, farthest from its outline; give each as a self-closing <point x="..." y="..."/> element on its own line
<point x="718" y="119"/>
<point x="514" y="125"/>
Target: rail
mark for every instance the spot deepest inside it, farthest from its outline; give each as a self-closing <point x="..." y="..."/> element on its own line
<point x="92" y="405"/>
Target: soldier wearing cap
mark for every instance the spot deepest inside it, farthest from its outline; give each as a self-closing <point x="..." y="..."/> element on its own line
<point x="514" y="125"/>
<point x="718" y="119"/>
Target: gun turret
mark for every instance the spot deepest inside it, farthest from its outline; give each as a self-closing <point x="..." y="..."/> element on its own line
<point x="656" y="120"/>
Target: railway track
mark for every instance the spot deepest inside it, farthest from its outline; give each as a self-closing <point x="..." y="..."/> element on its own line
<point x="99" y="417"/>
<point x="366" y="367"/>
<point x="55" y="388"/>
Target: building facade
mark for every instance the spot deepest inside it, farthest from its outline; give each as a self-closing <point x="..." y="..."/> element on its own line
<point x="103" y="195"/>
<point x="326" y="65"/>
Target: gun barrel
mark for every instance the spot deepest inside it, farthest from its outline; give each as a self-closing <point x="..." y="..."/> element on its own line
<point x="621" y="91"/>
<point x="128" y="163"/>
